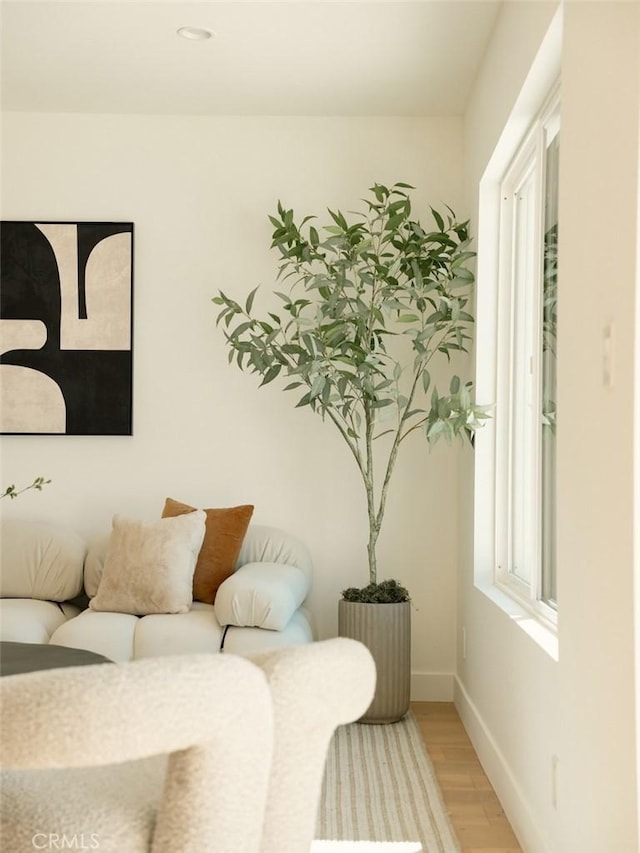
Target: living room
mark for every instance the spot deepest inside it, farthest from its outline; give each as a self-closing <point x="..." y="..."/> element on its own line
<point x="555" y="727"/>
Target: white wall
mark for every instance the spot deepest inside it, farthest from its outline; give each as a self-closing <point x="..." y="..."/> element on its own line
<point x="522" y="707"/>
<point x="199" y="191"/>
<point x="600" y="68"/>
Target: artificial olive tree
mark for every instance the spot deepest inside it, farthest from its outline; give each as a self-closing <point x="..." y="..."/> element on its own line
<point x="373" y="299"/>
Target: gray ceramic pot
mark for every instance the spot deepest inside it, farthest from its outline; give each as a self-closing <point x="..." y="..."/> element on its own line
<point x="386" y="631"/>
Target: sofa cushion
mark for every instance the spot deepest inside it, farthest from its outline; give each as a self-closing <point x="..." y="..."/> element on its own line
<point x="261" y="595"/>
<point x="264" y="544"/>
<point x="246" y="641"/>
<point x="224" y="535"/>
<point x="183" y="633"/>
<point x="42" y="561"/>
<point x="108" y="634"/>
<point x="29" y="620"/>
<point x="123" y="637"/>
<point x="149" y="565"/>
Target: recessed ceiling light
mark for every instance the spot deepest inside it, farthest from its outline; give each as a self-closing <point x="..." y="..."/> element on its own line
<point x="194" y="33"/>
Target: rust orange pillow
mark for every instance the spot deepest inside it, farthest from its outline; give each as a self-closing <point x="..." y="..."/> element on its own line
<point x="225" y="530"/>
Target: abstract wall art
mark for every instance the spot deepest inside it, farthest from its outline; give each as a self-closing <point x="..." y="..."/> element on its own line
<point x="66" y="327"/>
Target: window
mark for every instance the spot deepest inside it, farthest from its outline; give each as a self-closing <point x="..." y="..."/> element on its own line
<point x="525" y="402"/>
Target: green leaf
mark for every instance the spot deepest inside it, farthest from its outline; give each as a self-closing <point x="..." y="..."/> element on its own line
<point x="380" y="434"/>
<point x="271" y="374"/>
<point x="339" y="219"/>
<point x="249" y="302"/>
<point x="439" y="220"/>
<point x="394" y="221"/>
<point x="241" y="329"/>
<point x="413" y="412"/>
<point x="317" y="387"/>
<point x="465" y="397"/>
<point x="435" y="430"/>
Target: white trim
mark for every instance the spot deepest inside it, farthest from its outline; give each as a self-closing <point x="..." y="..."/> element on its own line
<point x="503" y="780"/>
<point x="539" y="82"/>
<point x="636" y="493"/>
<point x="432" y="686"/>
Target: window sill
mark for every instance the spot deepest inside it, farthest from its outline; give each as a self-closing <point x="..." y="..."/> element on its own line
<point x="525" y="619"/>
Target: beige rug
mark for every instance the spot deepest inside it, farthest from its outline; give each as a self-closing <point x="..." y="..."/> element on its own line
<point x="380" y="786"/>
<point x="365" y="847"/>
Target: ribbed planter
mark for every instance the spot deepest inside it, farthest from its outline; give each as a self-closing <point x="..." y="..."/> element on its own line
<point x="386" y="631"/>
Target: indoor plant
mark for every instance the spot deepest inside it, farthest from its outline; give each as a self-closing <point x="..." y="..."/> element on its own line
<point x="12" y="492"/>
<point x="371" y="301"/>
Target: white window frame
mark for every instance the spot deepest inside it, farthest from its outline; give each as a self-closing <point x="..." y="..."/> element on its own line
<point x="513" y="598"/>
<point x="518" y="490"/>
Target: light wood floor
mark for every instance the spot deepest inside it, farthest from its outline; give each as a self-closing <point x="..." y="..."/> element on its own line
<point x="474" y="809"/>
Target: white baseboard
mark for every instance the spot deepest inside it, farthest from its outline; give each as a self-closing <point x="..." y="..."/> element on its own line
<point x="432" y="686"/>
<point x="495" y="766"/>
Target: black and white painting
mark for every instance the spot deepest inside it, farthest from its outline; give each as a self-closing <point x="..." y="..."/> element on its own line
<point x="66" y="322"/>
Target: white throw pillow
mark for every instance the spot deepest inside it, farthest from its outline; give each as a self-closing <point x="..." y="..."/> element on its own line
<point x="149" y="565"/>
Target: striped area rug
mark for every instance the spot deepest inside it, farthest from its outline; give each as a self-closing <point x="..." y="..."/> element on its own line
<point x="380" y="786"/>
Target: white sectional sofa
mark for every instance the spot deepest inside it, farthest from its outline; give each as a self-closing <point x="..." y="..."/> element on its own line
<point x="45" y="569"/>
<point x="41" y="572"/>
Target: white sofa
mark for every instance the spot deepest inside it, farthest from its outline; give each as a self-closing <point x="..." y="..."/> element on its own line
<point x="45" y="568"/>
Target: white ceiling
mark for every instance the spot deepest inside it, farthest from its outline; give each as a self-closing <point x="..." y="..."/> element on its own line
<point x="267" y="58"/>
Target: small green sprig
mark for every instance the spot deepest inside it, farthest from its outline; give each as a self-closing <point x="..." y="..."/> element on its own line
<point x="12" y="492"/>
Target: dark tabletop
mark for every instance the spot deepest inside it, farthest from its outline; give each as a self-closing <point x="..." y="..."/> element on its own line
<point x="16" y="658"/>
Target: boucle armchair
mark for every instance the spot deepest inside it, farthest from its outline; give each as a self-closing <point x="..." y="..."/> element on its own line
<point x="212" y="712"/>
<point x="315" y="689"/>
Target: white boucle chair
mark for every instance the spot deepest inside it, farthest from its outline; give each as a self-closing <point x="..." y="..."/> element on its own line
<point x="315" y="689"/>
<point x="208" y="801"/>
<point x="208" y="711"/>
